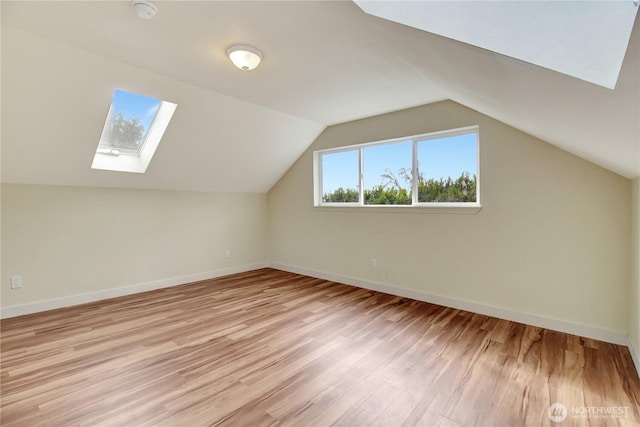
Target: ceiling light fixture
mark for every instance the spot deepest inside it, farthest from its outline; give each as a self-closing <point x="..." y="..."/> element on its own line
<point x="244" y="56"/>
<point x="144" y="8"/>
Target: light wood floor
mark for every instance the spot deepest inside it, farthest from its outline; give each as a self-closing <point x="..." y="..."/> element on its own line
<point x="275" y="348"/>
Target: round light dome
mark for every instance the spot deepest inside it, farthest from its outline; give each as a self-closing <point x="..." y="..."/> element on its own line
<point x="244" y="56"/>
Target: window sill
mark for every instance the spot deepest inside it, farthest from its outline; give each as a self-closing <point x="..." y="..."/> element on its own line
<point x="449" y="208"/>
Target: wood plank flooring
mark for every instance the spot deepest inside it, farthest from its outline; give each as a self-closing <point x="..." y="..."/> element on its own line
<point x="275" y="348"/>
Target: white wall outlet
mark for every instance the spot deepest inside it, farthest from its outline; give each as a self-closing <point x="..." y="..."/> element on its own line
<point x="16" y="282"/>
<point x="374" y="263"/>
<point x="227" y="253"/>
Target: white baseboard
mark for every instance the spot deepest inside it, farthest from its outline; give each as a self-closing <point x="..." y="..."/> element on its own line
<point x="36" y="307"/>
<point x="587" y="331"/>
<point x="559" y="325"/>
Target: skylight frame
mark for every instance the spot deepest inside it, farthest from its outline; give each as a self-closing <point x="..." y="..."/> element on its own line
<point x="129" y="160"/>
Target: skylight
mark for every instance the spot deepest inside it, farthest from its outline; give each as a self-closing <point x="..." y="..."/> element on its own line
<point x="583" y="39"/>
<point x="132" y="131"/>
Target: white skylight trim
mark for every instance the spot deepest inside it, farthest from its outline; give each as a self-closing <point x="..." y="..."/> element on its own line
<point x="133" y="155"/>
<point x="583" y="39"/>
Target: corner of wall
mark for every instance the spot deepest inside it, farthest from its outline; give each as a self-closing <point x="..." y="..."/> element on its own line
<point x="634" y="309"/>
<point x="571" y="241"/>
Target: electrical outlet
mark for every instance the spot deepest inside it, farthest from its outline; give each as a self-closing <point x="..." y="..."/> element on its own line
<point x="227" y="253"/>
<point x="16" y="282"/>
<point x="374" y="263"/>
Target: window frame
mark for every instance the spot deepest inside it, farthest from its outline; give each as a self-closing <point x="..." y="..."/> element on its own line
<point x="125" y="160"/>
<point x="319" y="172"/>
<point x="444" y="207"/>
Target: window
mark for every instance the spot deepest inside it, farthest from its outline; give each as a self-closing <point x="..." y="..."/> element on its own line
<point x="447" y="168"/>
<point x="433" y="170"/>
<point x="386" y="173"/>
<point x="132" y="131"/>
<point x="341" y="176"/>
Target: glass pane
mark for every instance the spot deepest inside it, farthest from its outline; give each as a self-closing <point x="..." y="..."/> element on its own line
<point x="340" y="177"/>
<point x="387" y="174"/>
<point x="128" y="122"/>
<point x="447" y="169"/>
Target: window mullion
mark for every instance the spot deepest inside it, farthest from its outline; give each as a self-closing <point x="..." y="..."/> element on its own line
<point x="414" y="172"/>
<point x="361" y="173"/>
<point x="320" y="183"/>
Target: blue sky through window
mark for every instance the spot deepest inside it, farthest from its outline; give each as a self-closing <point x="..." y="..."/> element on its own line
<point x="448" y="157"/>
<point x="340" y="170"/>
<point x="133" y="106"/>
<point x="437" y="158"/>
<point x="379" y="158"/>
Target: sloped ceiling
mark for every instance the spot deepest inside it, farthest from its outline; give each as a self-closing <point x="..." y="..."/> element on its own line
<point x="325" y="62"/>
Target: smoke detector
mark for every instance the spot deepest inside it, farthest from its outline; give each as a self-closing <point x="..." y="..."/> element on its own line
<point x="144" y="8"/>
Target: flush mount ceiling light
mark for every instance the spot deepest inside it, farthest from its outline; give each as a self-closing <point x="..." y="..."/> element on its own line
<point x="244" y="56"/>
<point x="144" y="8"/>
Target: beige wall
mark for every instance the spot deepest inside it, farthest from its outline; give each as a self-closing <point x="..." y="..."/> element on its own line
<point x="552" y="238"/>
<point x="634" y="322"/>
<point x="65" y="241"/>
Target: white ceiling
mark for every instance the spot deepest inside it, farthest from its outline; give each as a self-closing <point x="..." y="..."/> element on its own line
<point x="326" y="62"/>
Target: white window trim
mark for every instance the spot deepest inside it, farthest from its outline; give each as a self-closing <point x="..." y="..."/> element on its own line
<point x="438" y="208"/>
<point x="431" y="207"/>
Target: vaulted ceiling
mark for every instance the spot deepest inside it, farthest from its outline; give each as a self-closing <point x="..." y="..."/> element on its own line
<point x="326" y="62"/>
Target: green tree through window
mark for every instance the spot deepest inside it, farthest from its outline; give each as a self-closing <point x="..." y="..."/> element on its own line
<point x="125" y="133"/>
<point x="391" y="192"/>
